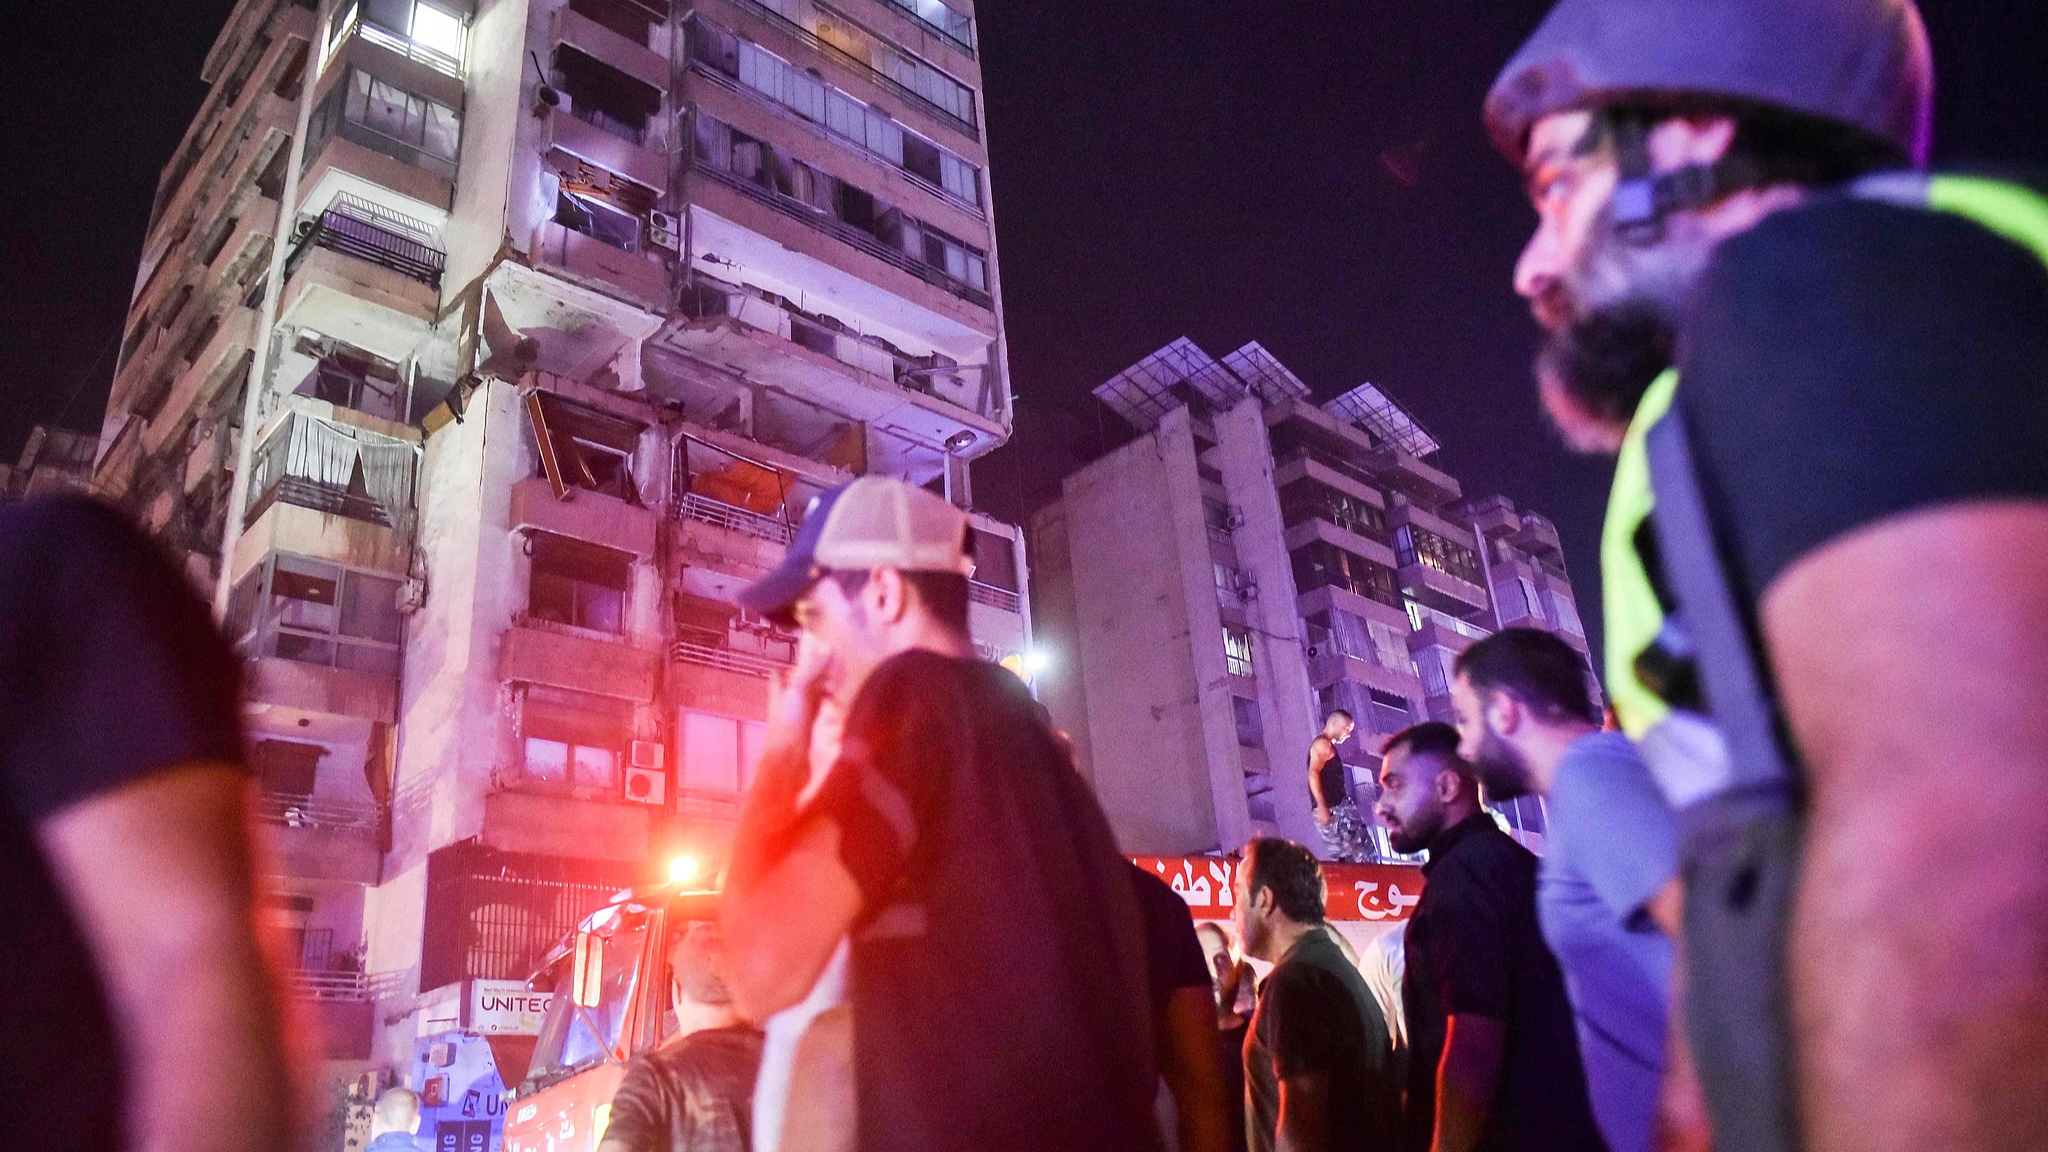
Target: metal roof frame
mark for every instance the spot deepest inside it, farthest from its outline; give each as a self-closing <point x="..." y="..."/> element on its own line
<point x="1269" y="379"/>
<point x="1168" y="379"/>
<point x="1388" y="422"/>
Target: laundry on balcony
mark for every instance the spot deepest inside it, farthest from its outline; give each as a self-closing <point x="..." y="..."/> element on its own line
<point x="334" y="468"/>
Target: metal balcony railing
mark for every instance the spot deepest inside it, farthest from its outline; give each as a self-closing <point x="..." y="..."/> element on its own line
<point x="718" y="512"/>
<point x="355" y="227"/>
<point x="726" y="659"/>
<point x="841" y="56"/>
<point x="334" y="468"/>
<point x="307" y="984"/>
<point x="998" y="598"/>
<point x="308" y="812"/>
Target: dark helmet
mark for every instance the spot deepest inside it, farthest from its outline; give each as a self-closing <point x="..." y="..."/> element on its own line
<point x="1862" y="63"/>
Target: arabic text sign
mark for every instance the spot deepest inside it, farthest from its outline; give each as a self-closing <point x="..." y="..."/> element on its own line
<point x="1372" y="892"/>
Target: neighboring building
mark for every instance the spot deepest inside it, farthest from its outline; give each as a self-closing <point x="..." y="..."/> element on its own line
<point x="53" y="460"/>
<point x="1250" y="562"/>
<point x="479" y="351"/>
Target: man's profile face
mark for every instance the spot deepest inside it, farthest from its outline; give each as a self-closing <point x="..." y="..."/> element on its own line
<point x="1339" y="729"/>
<point x="1501" y="766"/>
<point x="1408" y="803"/>
<point x="835" y="626"/>
<point x="1251" y="924"/>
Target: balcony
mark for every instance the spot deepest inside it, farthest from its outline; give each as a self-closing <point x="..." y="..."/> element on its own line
<point x="288" y="682"/>
<point x="763" y="664"/>
<point x="219" y="358"/>
<point x="1538" y="536"/>
<point x="1327" y="668"/>
<point x="1440" y="590"/>
<point x="784" y="12"/>
<point x="533" y="654"/>
<point x="1423" y="482"/>
<point x="1001" y="599"/>
<point x="315" y="838"/>
<point x="734" y="519"/>
<point x="1318" y="528"/>
<point x="1494" y="516"/>
<point x="365" y="276"/>
<point x="1441" y="629"/>
<point x="601" y="43"/>
<point x="335" y="469"/>
<point x="592" y="517"/>
<point x="589" y="261"/>
<point x="585" y="132"/>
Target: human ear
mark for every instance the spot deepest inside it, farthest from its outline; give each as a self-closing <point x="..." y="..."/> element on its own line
<point x="1503" y="712"/>
<point x="1684" y="140"/>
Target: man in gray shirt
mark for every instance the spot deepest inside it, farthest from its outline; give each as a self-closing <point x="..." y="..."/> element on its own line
<point x="1607" y="891"/>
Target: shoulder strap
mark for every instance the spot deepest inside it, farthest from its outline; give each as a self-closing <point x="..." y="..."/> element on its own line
<point x="1729" y="674"/>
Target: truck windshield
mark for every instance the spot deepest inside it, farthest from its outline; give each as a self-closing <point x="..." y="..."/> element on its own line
<point x="572" y="1037"/>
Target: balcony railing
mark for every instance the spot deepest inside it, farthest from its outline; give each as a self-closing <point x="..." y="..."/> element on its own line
<point x="848" y="234"/>
<point x="334" y="468"/>
<point x="346" y="986"/>
<point x="999" y="598"/>
<point x="308" y="812"/>
<point x="355" y="227"/>
<point x="727" y="659"/>
<point x="718" y="512"/>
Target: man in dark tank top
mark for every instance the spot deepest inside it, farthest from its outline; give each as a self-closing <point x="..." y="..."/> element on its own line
<point x="1329" y="789"/>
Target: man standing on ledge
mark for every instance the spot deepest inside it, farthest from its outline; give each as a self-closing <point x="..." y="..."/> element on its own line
<point x="984" y="1023"/>
<point x="1329" y="786"/>
<point x="1493" y="1063"/>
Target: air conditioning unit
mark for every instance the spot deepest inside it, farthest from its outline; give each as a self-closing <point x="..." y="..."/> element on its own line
<point x="1234" y="518"/>
<point x="646" y="776"/>
<point x="661" y="230"/>
<point x="411" y="596"/>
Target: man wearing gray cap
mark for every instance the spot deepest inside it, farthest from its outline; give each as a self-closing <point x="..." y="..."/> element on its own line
<point x="997" y="954"/>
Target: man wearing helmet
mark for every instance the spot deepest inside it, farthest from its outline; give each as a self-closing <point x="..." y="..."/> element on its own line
<point x="1826" y="376"/>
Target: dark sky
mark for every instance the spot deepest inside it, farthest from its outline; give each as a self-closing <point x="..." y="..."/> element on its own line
<point x="1205" y="168"/>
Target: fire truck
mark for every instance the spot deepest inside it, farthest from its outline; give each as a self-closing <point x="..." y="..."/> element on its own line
<point x="609" y="983"/>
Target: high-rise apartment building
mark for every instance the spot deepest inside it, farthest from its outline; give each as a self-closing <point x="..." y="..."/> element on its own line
<point x="479" y="351"/>
<point x="1253" y="560"/>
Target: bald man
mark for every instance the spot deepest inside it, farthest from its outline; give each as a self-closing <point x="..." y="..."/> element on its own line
<point x="395" y="1121"/>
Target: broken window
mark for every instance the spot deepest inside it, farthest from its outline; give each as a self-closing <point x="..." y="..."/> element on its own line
<point x="578" y="584"/>
<point x="348" y="382"/>
<point x="286" y="767"/>
<point x="583" y="448"/>
<point x="574" y="739"/>
<point x="604" y="97"/>
<point x="597" y="219"/>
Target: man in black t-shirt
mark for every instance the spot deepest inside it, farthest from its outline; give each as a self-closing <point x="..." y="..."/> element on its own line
<point x="140" y="1013"/>
<point x="1318" y="1065"/>
<point x="1183" y="1017"/>
<point x="1834" y="367"/>
<point x="998" y="960"/>
<point x="1493" y="1060"/>
<point x="695" y="1092"/>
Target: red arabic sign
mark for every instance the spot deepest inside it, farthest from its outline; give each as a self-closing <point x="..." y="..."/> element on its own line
<point x="1381" y="893"/>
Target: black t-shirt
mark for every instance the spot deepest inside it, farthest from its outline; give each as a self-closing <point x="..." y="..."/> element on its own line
<point x="998" y="976"/>
<point x="1173" y="953"/>
<point x="694" y="1095"/>
<point x="1315" y="1014"/>
<point x="1335" y="779"/>
<point x="1848" y="360"/>
<point x="110" y="670"/>
<point x="1473" y="947"/>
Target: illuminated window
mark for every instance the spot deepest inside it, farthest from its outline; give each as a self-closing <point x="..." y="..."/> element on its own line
<point x="436" y="30"/>
<point x="1237" y="651"/>
<point x="716" y="752"/>
<point x="574" y="739"/>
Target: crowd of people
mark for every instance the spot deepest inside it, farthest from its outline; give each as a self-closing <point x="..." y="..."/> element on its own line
<point x="1823" y="374"/>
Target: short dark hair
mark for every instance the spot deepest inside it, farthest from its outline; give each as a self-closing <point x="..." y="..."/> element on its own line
<point x="1336" y="712"/>
<point x="1431" y="737"/>
<point x="1290" y="873"/>
<point x="943" y="594"/>
<point x="1535" y="667"/>
<point x="1779" y="146"/>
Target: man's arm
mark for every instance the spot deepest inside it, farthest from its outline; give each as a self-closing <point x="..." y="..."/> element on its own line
<point x="157" y="872"/>
<point x="782" y="918"/>
<point x="1304" y="1121"/>
<point x="1190" y="1063"/>
<point x="1466" y="1079"/>
<point x="1910" y="657"/>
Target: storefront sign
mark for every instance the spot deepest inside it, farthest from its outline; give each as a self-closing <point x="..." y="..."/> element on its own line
<point x="504" y="1007"/>
<point x="1382" y="893"/>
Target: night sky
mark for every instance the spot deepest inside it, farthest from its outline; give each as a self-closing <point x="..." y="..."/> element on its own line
<point x="1311" y="175"/>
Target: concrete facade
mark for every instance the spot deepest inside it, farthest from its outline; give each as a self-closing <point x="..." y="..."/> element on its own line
<point x="481" y="349"/>
<point x="1248" y="562"/>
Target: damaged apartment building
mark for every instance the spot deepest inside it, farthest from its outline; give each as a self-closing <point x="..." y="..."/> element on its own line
<point x="479" y="351"/>
<point x="1250" y="562"/>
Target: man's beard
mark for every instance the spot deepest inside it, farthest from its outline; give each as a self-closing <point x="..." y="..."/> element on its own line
<point x="1415" y="834"/>
<point x="1502" y="768"/>
<point x="1604" y="360"/>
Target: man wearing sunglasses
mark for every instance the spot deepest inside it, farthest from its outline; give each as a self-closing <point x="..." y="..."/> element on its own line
<point x="997" y="953"/>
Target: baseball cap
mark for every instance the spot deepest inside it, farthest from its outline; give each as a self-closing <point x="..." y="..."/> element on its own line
<point x="874" y="522"/>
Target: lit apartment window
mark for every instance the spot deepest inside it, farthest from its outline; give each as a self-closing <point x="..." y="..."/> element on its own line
<point x="294" y="608"/>
<point x="717" y="752"/>
<point x="574" y="739"/>
<point x="412" y="28"/>
<point x="1321" y="564"/>
<point x="1421" y="546"/>
<point x="1306" y="499"/>
<point x="580" y="447"/>
<point x="578" y="584"/>
<point x="594" y="218"/>
<point x="1237" y="651"/>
